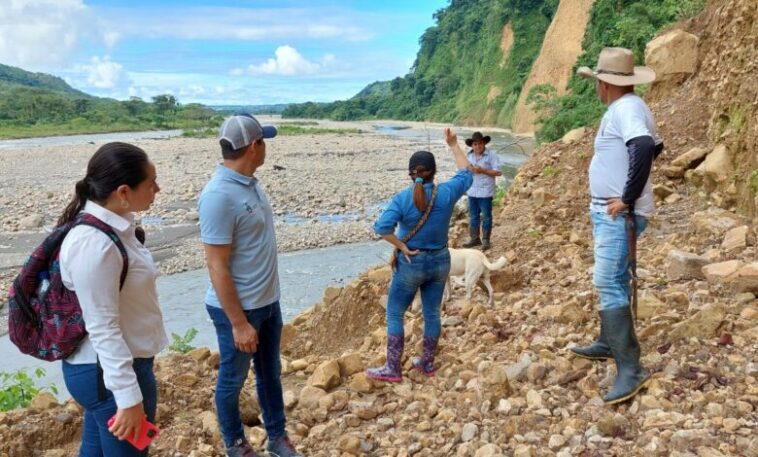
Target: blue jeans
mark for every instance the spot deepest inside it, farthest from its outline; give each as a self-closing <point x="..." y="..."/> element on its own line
<point x="480" y="205"/>
<point x="81" y="382"/>
<point x="612" y="275"/>
<point x="427" y="271"/>
<point x="235" y="366"/>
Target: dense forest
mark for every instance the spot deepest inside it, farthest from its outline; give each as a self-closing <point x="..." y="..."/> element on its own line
<point x="460" y="60"/>
<point x="36" y="104"/>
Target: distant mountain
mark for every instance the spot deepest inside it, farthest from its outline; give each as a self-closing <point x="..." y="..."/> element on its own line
<point x="380" y="88"/>
<point x="17" y="76"/>
<point x="252" y="109"/>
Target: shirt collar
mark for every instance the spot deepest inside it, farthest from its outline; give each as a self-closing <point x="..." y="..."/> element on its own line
<point x="227" y="173"/>
<point x="119" y="223"/>
<point x="486" y="152"/>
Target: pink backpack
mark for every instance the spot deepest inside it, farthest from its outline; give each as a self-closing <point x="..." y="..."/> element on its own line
<point x="45" y="319"/>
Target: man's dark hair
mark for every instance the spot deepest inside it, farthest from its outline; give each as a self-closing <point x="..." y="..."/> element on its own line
<point x="228" y="153"/>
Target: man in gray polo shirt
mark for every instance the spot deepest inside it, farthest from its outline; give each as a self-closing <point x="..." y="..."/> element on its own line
<point x="237" y="230"/>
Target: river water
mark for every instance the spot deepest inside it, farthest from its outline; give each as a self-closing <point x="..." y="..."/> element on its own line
<point x="304" y="274"/>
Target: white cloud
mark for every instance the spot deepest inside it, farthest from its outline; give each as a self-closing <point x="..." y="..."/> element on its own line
<point x="103" y="73"/>
<point x="287" y="61"/>
<point x="41" y="34"/>
<point x="228" y="23"/>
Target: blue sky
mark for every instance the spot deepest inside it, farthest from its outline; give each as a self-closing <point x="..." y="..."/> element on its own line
<point x="216" y="52"/>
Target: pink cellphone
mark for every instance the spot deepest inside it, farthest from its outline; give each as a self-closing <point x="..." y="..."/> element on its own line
<point x="147" y="435"/>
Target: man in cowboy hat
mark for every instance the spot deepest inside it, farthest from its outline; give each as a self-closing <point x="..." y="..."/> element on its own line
<point x="621" y="201"/>
<point x="485" y="165"/>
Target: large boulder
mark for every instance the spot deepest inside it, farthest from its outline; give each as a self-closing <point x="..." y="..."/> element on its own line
<point x="493" y="382"/>
<point x="702" y="324"/>
<point x="310" y="396"/>
<point x="649" y="306"/>
<point x="326" y="376"/>
<point x="685" y="265"/>
<point x="721" y="272"/>
<point x="672" y="54"/>
<point x="746" y="279"/>
<point x="715" y="221"/>
<point x="735" y="239"/>
<point x="573" y="135"/>
<point x="717" y="168"/>
<point x="690" y="159"/>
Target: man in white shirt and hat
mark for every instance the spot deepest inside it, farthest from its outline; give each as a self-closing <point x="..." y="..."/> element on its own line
<point x="621" y="202"/>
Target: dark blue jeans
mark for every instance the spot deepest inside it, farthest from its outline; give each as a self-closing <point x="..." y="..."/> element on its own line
<point x="483" y="206"/>
<point x="97" y="441"/>
<point x="427" y="272"/>
<point x="235" y="366"/>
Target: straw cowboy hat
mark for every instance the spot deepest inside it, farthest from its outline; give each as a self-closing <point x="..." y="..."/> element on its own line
<point x="477" y="136"/>
<point x="616" y="66"/>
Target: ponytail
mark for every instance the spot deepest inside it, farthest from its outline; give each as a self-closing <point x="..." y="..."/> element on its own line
<point x="419" y="195"/>
<point x="77" y="203"/>
<point x="420" y="176"/>
<point x="112" y="165"/>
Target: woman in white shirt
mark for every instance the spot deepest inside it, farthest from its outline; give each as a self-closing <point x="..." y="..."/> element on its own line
<point x="111" y="373"/>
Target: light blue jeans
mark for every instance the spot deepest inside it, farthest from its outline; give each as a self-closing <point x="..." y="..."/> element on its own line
<point x="426" y="272"/>
<point x="612" y="275"/>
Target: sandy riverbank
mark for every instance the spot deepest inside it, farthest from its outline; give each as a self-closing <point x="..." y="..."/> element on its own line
<point x="326" y="189"/>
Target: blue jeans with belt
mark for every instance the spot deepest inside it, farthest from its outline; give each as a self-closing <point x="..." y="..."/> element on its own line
<point x="235" y="366"/>
<point x="82" y="383"/>
<point x="426" y="272"/>
<point x="611" y="275"/>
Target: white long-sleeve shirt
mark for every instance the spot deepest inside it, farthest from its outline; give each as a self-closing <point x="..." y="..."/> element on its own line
<point x="121" y="324"/>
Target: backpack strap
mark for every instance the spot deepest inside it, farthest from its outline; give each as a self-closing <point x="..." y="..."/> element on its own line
<point x="92" y="221"/>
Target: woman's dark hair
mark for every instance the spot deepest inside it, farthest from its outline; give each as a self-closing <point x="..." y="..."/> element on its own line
<point x="113" y="165"/>
<point x="421" y="165"/>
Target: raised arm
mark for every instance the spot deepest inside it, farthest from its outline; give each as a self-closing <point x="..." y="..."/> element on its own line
<point x="452" y="140"/>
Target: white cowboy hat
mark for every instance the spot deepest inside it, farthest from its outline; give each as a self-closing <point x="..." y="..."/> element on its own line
<point x="616" y="66"/>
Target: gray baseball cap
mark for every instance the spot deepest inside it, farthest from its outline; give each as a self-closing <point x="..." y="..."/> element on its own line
<point x="242" y="129"/>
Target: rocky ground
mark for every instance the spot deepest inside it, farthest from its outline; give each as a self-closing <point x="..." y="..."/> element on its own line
<point x="507" y="384"/>
<point x="326" y="189"/>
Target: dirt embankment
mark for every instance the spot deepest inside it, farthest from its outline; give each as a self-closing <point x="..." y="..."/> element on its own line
<point x="560" y="49"/>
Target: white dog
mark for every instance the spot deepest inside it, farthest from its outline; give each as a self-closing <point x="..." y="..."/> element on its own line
<point x="471" y="264"/>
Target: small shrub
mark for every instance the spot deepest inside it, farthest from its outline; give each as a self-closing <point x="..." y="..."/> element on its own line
<point x="499" y="196"/>
<point x="549" y="171"/>
<point x="18" y="389"/>
<point x="182" y="344"/>
<point x="753" y="180"/>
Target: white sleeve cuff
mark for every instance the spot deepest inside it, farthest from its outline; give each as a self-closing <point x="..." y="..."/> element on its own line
<point x="128" y="397"/>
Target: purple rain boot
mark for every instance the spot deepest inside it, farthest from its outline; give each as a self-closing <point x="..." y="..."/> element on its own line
<point x="390" y="372"/>
<point x="425" y="363"/>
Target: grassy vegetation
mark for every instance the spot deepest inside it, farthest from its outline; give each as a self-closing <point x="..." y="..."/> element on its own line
<point x="458" y="63"/>
<point x="18" y="389"/>
<point x="183" y="344"/>
<point x="624" y="23"/>
<point x="499" y="197"/>
<point x="285" y="129"/>
<point x="36" y="104"/>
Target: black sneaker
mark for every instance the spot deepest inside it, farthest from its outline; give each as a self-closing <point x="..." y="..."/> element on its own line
<point x="241" y="448"/>
<point x="282" y="447"/>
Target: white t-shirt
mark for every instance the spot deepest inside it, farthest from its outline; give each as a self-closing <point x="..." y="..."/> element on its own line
<point x="626" y="118"/>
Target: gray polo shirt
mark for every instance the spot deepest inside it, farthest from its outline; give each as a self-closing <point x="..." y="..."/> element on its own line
<point x="234" y="210"/>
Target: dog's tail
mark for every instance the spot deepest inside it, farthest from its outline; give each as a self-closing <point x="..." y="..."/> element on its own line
<point x="500" y="263"/>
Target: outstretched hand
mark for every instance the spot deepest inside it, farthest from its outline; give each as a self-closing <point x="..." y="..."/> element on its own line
<point x="450" y="137"/>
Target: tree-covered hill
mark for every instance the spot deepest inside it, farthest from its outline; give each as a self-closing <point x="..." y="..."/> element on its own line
<point x="38" y="104"/>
